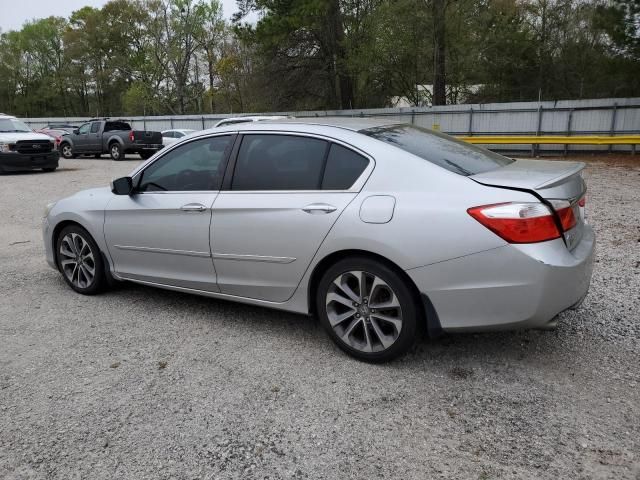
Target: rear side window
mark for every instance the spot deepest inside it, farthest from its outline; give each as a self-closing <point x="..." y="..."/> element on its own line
<point x="115" y="126"/>
<point x="343" y="168"/>
<point x="279" y="162"/>
<point x="447" y="152"/>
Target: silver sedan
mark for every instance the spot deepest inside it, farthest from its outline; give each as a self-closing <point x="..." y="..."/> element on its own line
<point x="382" y="230"/>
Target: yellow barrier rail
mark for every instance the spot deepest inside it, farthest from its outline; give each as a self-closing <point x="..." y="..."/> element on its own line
<point x="553" y="140"/>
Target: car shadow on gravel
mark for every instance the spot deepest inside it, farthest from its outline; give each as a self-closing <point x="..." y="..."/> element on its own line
<point x="461" y="348"/>
<point x="24" y="173"/>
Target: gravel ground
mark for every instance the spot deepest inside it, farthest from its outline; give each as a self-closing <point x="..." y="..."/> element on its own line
<point x="143" y="383"/>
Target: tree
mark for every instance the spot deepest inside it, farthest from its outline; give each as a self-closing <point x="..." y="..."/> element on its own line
<point x="439" y="52"/>
<point x="209" y="37"/>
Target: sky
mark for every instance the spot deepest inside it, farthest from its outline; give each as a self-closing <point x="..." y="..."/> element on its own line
<point x="13" y="13"/>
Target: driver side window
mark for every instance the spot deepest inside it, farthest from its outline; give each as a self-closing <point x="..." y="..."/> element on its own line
<point x="194" y="166"/>
<point x="84" y="129"/>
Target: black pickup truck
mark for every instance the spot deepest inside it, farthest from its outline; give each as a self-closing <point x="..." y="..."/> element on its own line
<point x="114" y="137"/>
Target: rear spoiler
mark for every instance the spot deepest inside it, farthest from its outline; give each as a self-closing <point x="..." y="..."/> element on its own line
<point x="576" y="168"/>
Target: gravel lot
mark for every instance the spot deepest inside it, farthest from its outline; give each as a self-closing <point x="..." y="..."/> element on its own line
<point x="143" y="383"/>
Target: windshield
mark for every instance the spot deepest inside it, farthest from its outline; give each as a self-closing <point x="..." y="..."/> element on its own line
<point x="11" y="125"/>
<point x="445" y="151"/>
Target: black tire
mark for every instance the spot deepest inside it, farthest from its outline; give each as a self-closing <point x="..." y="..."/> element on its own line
<point x="393" y="283"/>
<point x="115" y="151"/>
<point x="97" y="156"/>
<point x="51" y="169"/>
<point x="146" y="155"/>
<point x="66" y="150"/>
<point x="98" y="282"/>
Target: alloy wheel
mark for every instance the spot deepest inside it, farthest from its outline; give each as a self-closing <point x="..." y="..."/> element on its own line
<point x="66" y="151"/>
<point x="364" y="311"/>
<point x="115" y="152"/>
<point x="77" y="260"/>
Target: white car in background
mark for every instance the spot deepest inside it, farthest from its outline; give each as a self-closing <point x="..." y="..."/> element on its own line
<point x="171" y="136"/>
<point x="257" y="118"/>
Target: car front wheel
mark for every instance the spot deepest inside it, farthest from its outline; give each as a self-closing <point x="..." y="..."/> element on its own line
<point x="80" y="260"/>
<point x="368" y="309"/>
<point x="67" y="151"/>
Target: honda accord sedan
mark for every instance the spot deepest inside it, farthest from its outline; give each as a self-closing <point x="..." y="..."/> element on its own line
<point x="380" y="229"/>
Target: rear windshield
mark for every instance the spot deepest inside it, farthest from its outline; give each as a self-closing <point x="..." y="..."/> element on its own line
<point x="447" y="152"/>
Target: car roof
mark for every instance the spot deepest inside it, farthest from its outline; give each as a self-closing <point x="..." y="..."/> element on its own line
<point x="355" y="124"/>
<point x="4" y="115"/>
<point x="253" y="118"/>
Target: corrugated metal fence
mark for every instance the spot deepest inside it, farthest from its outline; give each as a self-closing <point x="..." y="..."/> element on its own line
<point x="620" y="116"/>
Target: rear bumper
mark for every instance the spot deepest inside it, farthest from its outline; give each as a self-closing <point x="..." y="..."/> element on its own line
<point x="148" y="147"/>
<point x="514" y="286"/>
<point x="16" y="162"/>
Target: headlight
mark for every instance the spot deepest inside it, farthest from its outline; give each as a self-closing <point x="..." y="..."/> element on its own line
<point x="48" y="208"/>
<point x="4" y="148"/>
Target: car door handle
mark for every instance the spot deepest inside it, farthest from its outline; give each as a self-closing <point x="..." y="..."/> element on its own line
<point x="316" y="208"/>
<point x="193" y="207"/>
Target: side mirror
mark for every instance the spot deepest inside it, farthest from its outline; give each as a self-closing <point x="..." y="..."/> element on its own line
<point x="122" y="186"/>
<point x="76" y="131"/>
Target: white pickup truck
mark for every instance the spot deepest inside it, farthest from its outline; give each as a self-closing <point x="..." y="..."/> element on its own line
<point x="23" y="149"/>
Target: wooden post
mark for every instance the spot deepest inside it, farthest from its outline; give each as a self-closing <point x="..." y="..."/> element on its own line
<point x="566" y="147"/>
<point x="534" y="147"/>
<point x="612" y="130"/>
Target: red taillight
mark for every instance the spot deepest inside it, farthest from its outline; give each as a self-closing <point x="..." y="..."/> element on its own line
<point x="518" y="222"/>
<point x="58" y="140"/>
<point x="566" y="214"/>
<point x="582" y="202"/>
<point x="131" y="136"/>
<point x="567" y="218"/>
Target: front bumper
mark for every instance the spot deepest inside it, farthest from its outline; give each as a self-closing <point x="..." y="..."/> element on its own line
<point x="47" y="233"/>
<point x="16" y="162"/>
<point x="514" y="286"/>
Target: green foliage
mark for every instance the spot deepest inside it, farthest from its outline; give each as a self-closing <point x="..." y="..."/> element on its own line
<point x="150" y="57"/>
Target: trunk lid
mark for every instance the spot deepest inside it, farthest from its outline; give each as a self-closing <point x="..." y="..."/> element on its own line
<point x="552" y="181"/>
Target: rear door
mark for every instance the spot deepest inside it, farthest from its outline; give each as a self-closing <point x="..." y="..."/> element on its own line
<point x="94" y="138"/>
<point x="274" y="213"/>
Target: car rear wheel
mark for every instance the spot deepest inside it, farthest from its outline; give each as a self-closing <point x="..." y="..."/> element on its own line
<point x="67" y="151"/>
<point x="115" y="150"/>
<point x="80" y="261"/>
<point x="368" y="309"/>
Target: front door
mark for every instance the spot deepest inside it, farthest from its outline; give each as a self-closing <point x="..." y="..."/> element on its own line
<point x="81" y="140"/>
<point x="268" y="225"/>
<point x="160" y="233"/>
